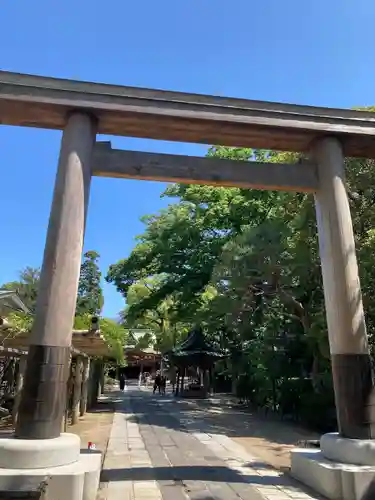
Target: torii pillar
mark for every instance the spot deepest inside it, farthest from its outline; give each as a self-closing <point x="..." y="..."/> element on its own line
<point x="343" y="467"/>
<point x="43" y="397"/>
<point x="350" y="356"/>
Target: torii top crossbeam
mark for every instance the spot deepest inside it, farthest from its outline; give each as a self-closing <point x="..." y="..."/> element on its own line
<point x="43" y="102"/>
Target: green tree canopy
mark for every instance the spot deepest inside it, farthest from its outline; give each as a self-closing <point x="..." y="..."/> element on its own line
<point x="26" y="286"/>
<point x="89" y="302"/>
<point x="161" y="320"/>
<point x="90" y="298"/>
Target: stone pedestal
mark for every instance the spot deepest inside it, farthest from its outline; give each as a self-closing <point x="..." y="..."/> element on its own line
<point x="343" y="469"/>
<point x="73" y="474"/>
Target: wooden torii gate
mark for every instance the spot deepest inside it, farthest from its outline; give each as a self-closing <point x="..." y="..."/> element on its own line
<point x="83" y="110"/>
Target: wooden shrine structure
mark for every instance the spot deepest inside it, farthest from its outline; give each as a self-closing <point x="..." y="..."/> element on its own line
<point x="198" y="354"/>
<point x="140" y="361"/>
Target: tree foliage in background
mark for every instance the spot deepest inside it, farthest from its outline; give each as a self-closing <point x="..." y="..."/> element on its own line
<point x="90" y="293"/>
<point x="90" y="298"/>
<point x="26" y="286"/>
<point x="245" y="264"/>
<point x="89" y="303"/>
<point x="161" y="321"/>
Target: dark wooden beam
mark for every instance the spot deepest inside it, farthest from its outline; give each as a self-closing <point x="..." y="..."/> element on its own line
<point x="109" y="162"/>
<point x="37" y="101"/>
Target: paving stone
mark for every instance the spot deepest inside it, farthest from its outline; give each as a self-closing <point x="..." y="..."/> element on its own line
<point x="221" y="491"/>
<point x="173" y="493"/>
<point x="166" y="441"/>
<point x="246" y="492"/>
<point x="158" y="457"/>
<point x="120" y="485"/>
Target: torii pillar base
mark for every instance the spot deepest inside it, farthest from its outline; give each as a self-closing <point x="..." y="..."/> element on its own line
<point x="343" y="469"/>
<point x="72" y="473"/>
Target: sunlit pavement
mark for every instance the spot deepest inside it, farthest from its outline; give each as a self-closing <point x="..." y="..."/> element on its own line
<point x="161" y="447"/>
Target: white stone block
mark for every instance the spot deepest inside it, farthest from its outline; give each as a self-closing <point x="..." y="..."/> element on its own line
<point x="76" y="481"/>
<point x="70" y="486"/>
<point x="39" y="453"/>
<point x="312" y="469"/>
<point x="334" y="480"/>
<point x="350" y="451"/>
<point x="364" y="484"/>
<point x="91" y="464"/>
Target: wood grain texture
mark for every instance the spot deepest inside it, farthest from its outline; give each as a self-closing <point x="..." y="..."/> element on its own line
<point x="109" y="162"/>
<point x="348" y="340"/>
<point x="342" y="291"/>
<point x="43" y="396"/>
<point x="58" y="287"/>
<point x="352" y="378"/>
<point x="43" y="102"/>
<point x="42" y="402"/>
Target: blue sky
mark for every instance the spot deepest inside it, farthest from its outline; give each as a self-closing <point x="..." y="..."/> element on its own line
<point x="318" y="52"/>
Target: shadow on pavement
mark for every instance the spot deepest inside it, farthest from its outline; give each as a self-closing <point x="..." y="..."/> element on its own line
<point x="203" y="417"/>
<point x="179" y="474"/>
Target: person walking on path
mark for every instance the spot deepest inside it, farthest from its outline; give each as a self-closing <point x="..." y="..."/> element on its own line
<point x="157" y="382"/>
<point x="122" y="381"/>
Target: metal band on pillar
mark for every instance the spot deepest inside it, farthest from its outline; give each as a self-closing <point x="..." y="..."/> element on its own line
<point x="43" y="396"/>
<point x="351" y="365"/>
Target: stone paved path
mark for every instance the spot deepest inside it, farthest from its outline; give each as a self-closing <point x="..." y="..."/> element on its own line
<point x="156" y="452"/>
